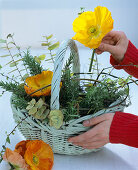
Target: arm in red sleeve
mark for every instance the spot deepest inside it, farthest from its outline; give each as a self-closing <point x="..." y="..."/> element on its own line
<point x="130" y="61"/>
<point x="124" y="129"/>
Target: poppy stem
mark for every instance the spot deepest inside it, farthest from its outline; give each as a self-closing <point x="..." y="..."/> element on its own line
<point x="90" y="68"/>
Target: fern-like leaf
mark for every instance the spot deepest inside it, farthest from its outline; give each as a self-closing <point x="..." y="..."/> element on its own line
<point x="33" y="66"/>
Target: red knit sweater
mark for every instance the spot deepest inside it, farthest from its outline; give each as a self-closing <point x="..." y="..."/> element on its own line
<point x="124" y="127"/>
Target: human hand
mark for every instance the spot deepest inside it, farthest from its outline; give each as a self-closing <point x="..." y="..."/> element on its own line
<point x="97" y="136"/>
<point x="114" y="42"/>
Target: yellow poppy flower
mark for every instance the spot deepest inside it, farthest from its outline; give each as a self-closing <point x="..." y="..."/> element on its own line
<point x="39" y="155"/>
<point x="91" y="27"/>
<point x="38" y="81"/>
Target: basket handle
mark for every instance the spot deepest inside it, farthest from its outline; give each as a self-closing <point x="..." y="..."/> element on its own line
<point x="55" y="86"/>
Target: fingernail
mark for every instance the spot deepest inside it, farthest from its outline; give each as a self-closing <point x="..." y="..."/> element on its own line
<point x="86" y="122"/>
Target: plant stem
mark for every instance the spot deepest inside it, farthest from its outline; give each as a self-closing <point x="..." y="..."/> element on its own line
<point x="50" y="52"/>
<point x="87" y="79"/>
<point x="90" y="68"/>
<point x="19" y="53"/>
<point x="39" y="89"/>
<point x="97" y="64"/>
<point x="14" y="61"/>
<point x="3" y="150"/>
<point x="9" y="78"/>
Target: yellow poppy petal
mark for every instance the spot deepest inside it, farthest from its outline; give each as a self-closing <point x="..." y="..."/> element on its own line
<point x="91" y="27"/>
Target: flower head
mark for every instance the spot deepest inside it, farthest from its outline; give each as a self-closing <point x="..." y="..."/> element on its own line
<point x="91" y="27"/>
<point x="56" y="118"/>
<point x="39" y="155"/>
<point x="15" y="159"/>
<point x="38" y="81"/>
<point x="21" y="147"/>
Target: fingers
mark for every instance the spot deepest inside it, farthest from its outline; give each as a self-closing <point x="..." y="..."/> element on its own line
<point x="92" y="134"/>
<point x="107" y="40"/>
<point x="116" y="43"/>
<point x="94" y="121"/>
<point x="97" y="51"/>
<point x="85" y="136"/>
<point x="92" y="145"/>
<point x="96" y="136"/>
<point x="112" y="34"/>
<point x="107" y="47"/>
<point x="87" y="141"/>
<point x="110" y="41"/>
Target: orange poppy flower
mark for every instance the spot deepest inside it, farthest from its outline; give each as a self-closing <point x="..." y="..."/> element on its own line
<point x="38" y="81"/>
<point x="21" y="147"/>
<point x="39" y="155"/>
<point x="15" y="159"/>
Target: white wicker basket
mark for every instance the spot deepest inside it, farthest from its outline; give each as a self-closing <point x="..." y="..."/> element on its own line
<point x="57" y="139"/>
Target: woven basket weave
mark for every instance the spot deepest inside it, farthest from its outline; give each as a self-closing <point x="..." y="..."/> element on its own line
<point x="34" y="129"/>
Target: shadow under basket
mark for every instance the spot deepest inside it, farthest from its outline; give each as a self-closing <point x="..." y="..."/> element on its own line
<point x="33" y="129"/>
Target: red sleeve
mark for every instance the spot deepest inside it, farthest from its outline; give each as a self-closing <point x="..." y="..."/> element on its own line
<point x="130" y="61"/>
<point x="124" y="129"/>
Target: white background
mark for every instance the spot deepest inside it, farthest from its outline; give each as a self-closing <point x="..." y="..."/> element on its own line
<point x="29" y="20"/>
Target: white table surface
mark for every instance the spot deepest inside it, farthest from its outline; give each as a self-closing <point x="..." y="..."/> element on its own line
<point x="111" y="157"/>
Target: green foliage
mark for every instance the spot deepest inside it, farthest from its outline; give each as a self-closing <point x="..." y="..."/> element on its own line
<point x="5" y="55"/>
<point x="39" y="109"/>
<point x="20" y="94"/>
<point x="40" y="58"/>
<point x="82" y="10"/>
<point x="20" y="101"/>
<point x="1" y="159"/>
<point x="69" y="91"/>
<point x="54" y="46"/>
<point x="50" y="46"/>
<point x="2" y="41"/>
<point x="33" y="66"/>
<point x="49" y="37"/>
<point x="13" y="87"/>
<point x="8" y="140"/>
<point x="101" y="96"/>
<point x="56" y="118"/>
<point x="122" y="82"/>
<point x="71" y="111"/>
<point x="25" y="76"/>
<point x="70" y="88"/>
<point x="76" y="99"/>
<point x="10" y="36"/>
<point x="68" y="62"/>
<point x="12" y="167"/>
<point x="15" y="63"/>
